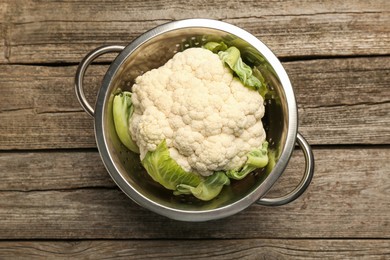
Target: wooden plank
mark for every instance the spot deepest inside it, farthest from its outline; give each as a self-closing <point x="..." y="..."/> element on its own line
<point x="39" y="108"/>
<point x="340" y="102"/>
<point x="338" y="82"/>
<point x="357" y="124"/>
<point x="343" y="97"/>
<point x="199" y="249"/>
<point x="39" y="33"/>
<point x="29" y="171"/>
<point x="348" y="198"/>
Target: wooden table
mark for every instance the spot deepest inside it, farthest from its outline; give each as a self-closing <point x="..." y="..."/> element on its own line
<point x="58" y="201"/>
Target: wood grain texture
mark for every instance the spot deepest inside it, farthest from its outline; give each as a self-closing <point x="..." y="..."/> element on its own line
<point x="57" y="200"/>
<point x="199" y="249"/>
<point x="66" y="30"/>
<point x="39" y="108"/>
<point x="49" y="170"/>
<point x="340" y="101"/>
<point x="348" y="198"/>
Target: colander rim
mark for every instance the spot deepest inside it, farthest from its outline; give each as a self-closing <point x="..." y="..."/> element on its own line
<point x="191" y="215"/>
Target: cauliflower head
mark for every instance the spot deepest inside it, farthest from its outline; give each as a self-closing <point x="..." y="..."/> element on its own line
<point x="209" y="119"/>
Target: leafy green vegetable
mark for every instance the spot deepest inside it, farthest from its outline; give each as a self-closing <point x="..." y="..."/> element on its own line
<point x="263" y="90"/>
<point x="206" y="190"/>
<point x="122" y="111"/>
<point x="215" y="46"/>
<point x="257" y="158"/>
<point x="232" y="57"/>
<point x="165" y="170"/>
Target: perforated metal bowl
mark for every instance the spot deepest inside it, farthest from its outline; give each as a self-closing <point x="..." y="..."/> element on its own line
<point x="151" y="50"/>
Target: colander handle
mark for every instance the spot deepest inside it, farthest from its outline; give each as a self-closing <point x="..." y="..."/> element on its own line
<point x="305" y="181"/>
<point x="82" y="68"/>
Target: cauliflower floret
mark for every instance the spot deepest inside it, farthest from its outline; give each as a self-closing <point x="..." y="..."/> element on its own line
<point x="208" y="118"/>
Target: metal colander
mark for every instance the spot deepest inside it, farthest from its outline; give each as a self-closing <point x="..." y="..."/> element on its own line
<point x="151" y="50"/>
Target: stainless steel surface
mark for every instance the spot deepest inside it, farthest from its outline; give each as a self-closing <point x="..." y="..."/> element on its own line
<point x="304" y="183"/>
<point x="82" y="68"/>
<point x="153" y="49"/>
